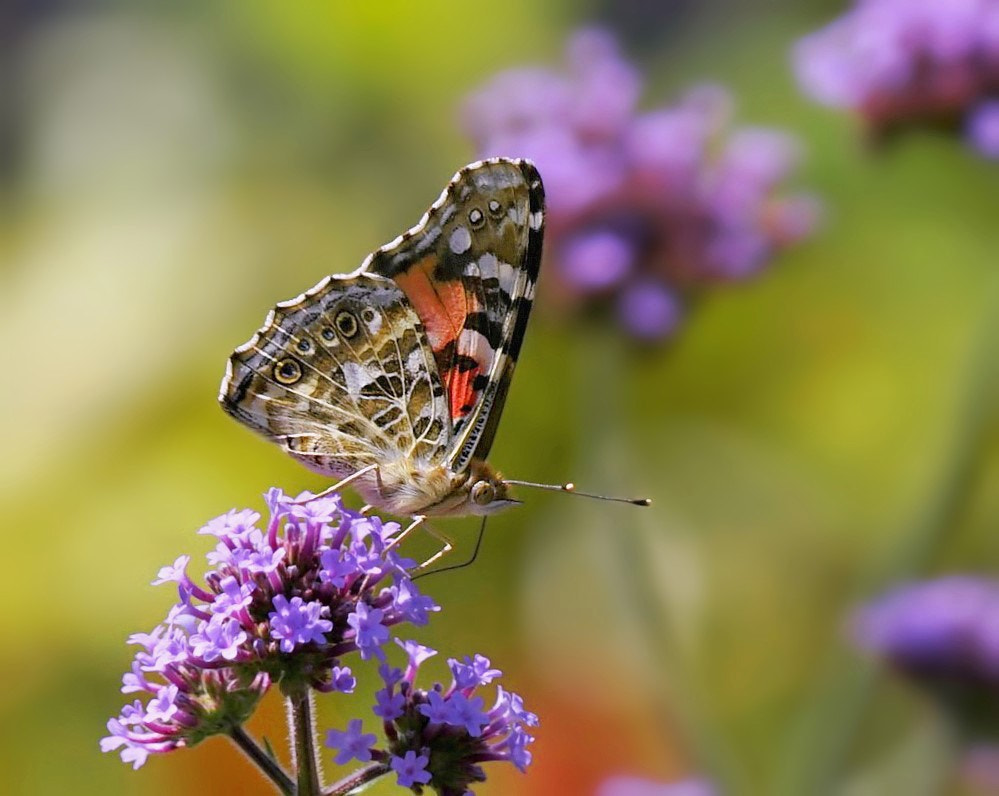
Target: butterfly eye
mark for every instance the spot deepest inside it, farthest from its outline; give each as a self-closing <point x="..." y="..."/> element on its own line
<point x="346" y="323"/>
<point x="483" y="493"/>
<point x="305" y="345"/>
<point x="495" y="208"/>
<point x="475" y="218"/>
<point x="287" y="371"/>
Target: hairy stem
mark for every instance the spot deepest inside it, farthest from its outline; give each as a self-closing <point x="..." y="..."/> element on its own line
<point x="301" y="725"/>
<point x="360" y="777"/>
<point x="267" y="764"/>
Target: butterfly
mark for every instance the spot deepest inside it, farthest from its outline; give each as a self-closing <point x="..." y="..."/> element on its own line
<point x="393" y="377"/>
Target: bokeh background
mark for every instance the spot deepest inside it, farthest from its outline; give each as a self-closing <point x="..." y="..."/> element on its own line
<point x="169" y="171"/>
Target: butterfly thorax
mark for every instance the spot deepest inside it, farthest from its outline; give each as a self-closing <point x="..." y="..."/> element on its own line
<point x="407" y="489"/>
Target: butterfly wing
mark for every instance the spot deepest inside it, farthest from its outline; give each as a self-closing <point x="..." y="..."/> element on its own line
<point x="342" y="377"/>
<point x="469" y="269"/>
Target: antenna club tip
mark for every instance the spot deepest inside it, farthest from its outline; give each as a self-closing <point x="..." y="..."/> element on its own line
<point x="569" y="487"/>
<point x="644" y="502"/>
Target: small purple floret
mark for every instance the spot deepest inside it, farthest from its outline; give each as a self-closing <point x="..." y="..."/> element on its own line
<point x="369" y="632"/>
<point x="411" y="769"/>
<point x="297" y="622"/>
<point x="350" y="744"/>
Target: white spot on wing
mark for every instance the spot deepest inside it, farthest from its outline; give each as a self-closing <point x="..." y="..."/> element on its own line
<point x="357" y="378"/>
<point x="489" y="266"/>
<point x="460" y="240"/>
<point x="507" y="277"/>
<point x="414" y="362"/>
<point x="536" y="219"/>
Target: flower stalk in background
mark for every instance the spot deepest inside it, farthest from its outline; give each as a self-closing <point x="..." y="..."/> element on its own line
<point x="292" y="603"/>
<point x="645" y="209"/>
<point x="907" y="63"/>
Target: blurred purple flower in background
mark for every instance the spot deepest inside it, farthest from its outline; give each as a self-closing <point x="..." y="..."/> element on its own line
<point x="644" y="209"/>
<point x="637" y="786"/>
<point x="944" y="635"/>
<point x="908" y="62"/>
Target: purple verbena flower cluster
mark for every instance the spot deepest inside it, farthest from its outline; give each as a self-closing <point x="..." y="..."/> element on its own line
<point x="644" y="209"/>
<point x="440" y="737"/>
<point x="283" y="604"/>
<point x="904" y="62"/>
<point x="944" y="635"/>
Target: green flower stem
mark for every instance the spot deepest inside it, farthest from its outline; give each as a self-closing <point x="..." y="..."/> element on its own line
<point x="607" y="440"/>
<point x="267" y="764"/>
<point x="362" y="776"/>
<point x="302" y="726"/>
<point x="826" y="739"/>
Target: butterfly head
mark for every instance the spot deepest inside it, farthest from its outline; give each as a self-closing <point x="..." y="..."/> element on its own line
<point x="486" y="491"/>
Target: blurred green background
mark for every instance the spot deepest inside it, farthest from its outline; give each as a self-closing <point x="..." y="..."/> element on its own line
<point x="170" y="171"/>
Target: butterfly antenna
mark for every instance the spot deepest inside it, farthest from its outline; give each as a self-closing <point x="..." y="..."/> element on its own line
<point x="475" y="554"/>
<point x="570" y="488"/>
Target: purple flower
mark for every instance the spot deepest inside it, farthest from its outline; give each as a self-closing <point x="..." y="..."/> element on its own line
<point x="342" y="679"/>
<point x="220" y="637"/>
<point x="466" y="712"/>
<point x="449" y="727"/>
<point x="637" y="786"/>
<point x="902" y="63"/>
<point x="268" y="610"/>
<point x="944" y="635"/>
<point x="649" y="310"/>
<point x="369" y="632"/>
<point x="598" y="259"/>
<point x="983" y="128"/>
<point x="176" y="572"/>
<point x="297" y="622"/>
<point x="470" y="673"/>
<point x="350" y="744"/>
<point x="644" y="209"/>
<point x="415" y="607"/>
<point x="437" y="709"/>
<point x="411" y="769"/>
<point x="388" y="704"/>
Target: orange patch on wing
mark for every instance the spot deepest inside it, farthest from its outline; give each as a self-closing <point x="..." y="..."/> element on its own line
<point x="442" y="306"/>
<point x="460" y="391"/>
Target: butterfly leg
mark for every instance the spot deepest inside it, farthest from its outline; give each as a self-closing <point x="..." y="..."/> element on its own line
<point x="365" y="508"/>
<point x="344" y="481"/>
<point x="447" y="547"/>
<point x="418" y="520"/>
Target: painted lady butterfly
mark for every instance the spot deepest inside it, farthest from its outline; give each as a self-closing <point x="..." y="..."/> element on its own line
<point x="393" y="377"/>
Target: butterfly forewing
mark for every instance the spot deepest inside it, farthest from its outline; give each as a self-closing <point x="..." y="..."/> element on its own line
<point x="469" y="270"/>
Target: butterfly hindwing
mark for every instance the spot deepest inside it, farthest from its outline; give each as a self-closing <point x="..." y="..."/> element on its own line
<point x="341" y="377"/>
<point x="469" y="269"/>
